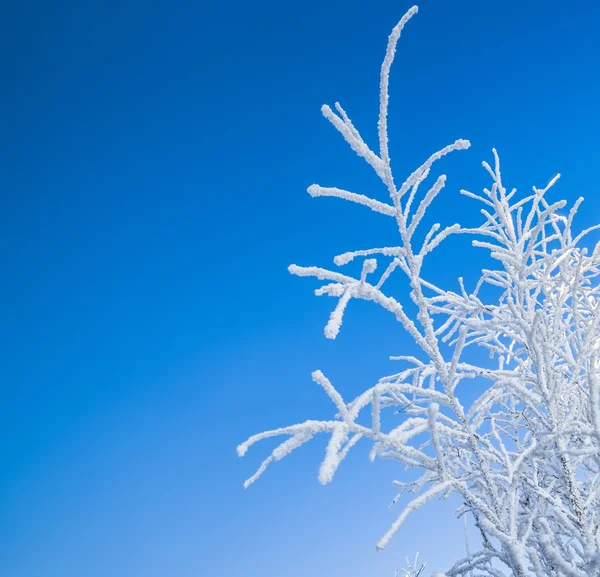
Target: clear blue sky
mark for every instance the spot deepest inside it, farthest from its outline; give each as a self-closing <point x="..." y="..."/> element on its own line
<point x="154" y="163"/>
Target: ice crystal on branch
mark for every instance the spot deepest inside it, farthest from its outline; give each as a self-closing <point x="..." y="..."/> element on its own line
<point x="413" y="569"/>
<point x="524" y="458"/>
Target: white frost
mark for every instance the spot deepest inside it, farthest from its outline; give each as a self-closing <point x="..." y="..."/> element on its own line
<point x="524" y="458"/>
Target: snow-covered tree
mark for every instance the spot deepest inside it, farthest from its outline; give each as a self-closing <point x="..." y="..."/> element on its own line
<point x="524" y="457"/>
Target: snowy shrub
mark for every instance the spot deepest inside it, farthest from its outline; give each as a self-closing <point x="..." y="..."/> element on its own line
<point x="524" y="457"/>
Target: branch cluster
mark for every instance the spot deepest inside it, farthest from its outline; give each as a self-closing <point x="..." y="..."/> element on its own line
<point x="524" y="457"/>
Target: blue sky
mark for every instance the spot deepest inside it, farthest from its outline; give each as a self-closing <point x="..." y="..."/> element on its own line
<point x="154" y="166"/>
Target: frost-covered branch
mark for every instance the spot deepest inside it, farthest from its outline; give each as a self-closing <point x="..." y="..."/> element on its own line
<point x="523" y="457"/>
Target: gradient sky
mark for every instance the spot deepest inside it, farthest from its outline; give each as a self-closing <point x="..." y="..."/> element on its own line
<point x="154" y="163"/>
